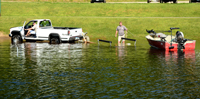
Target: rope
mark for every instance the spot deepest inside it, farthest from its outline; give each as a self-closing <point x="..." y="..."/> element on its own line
<point x="131" y="33"/>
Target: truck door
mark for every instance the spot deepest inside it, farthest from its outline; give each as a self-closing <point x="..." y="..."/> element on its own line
<point x="44" y="29"/>
<point x="23" y="31"/>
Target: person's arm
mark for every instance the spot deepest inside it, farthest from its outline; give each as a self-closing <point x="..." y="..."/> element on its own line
<point x="116" y="33"/>
<point x="28" y="29"/>
<point x="125" y="29"/>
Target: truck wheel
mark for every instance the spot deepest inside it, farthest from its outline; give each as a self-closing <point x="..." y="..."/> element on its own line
<point x="16" y="39"/>
<point x="148" y="1"/>
<point x="54" y="40"/>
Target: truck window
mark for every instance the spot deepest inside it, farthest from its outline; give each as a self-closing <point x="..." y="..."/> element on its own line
<point x="30" y="24"/>
<point x="45" y="23"/>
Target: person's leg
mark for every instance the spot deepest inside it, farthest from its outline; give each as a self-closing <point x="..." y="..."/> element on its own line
<point x="119" y="39"/>
<point x="32" y="32"/>
<point x="27" y="34"/>
<point x="123" y="39"/>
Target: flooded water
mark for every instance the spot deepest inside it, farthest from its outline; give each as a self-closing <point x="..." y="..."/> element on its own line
<point x="41" y="70"/>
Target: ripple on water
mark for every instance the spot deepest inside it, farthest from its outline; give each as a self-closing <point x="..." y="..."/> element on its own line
<point x="41" y="70"/>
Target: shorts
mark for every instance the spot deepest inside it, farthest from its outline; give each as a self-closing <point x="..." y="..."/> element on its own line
<point x="120" y="37"/>
<point x="32" y="32"/>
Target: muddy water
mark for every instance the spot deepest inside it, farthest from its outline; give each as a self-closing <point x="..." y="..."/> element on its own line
<point x="41" y="70"/>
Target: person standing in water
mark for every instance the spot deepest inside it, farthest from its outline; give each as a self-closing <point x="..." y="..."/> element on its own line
<point x="121" y="28"/>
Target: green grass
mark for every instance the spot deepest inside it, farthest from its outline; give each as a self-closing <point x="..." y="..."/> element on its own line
<point x="101" y="20"/>
<point x="108" y="10"/>
<point x="105" y="27"/>
<point x="80" y="1"/>
<point x="76" y="0"/>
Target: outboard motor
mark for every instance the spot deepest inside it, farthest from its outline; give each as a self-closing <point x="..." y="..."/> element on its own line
<point x="179" y="36"/>
<point x="180" y="39"/>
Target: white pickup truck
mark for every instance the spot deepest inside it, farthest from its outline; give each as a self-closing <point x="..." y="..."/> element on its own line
<point x="45" y="31"/>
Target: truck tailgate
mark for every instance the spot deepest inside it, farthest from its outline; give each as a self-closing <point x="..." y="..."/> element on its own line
<point x="76" y="32"/>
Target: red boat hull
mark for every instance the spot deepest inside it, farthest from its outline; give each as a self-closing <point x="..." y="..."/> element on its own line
<point x="165" y="45"/>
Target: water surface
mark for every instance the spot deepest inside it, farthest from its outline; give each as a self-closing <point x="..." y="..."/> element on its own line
<point x="41" y="70"/>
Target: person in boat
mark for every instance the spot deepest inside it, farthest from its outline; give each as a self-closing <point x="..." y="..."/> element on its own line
<point x="31" y="30"/>
<point x="121" y="28"/>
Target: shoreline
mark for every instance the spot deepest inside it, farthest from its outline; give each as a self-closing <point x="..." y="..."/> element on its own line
<point x="3" y="36"/>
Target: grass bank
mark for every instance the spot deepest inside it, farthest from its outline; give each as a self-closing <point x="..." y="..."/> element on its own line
<point x="80" y="1"/>
<point x="105" y="27"/>
<point x="101" y="20"/>
<point x="108" y="10"/>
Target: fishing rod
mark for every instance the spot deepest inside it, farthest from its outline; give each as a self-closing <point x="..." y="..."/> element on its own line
<point x="129" y="32"/>
<point x="162" y="31"/>
<point x="126" y="34"/>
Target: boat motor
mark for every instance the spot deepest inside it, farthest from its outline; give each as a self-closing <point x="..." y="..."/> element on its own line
<point x="180" y="39"/>
<point x="172" y="28"/>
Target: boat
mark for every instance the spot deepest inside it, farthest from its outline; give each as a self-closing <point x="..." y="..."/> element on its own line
<point x="169" y="42"/>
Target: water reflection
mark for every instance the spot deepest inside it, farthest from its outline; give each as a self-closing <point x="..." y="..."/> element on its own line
<point x="38" y="67"/>
<point x="40" y="70"/>
<point x="178" y="71"/>
<point x="44" y="53"/>
<point x="17" y="54"/>
<point x="179" y="56"/>
<point x="120" y="50"/>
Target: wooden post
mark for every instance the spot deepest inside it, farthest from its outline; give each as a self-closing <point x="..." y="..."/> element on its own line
<point x="130" y="40"/>
<point x="104" y="41"/>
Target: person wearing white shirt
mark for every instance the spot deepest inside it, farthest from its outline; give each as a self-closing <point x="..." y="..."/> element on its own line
<point x="31" y="30"/>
